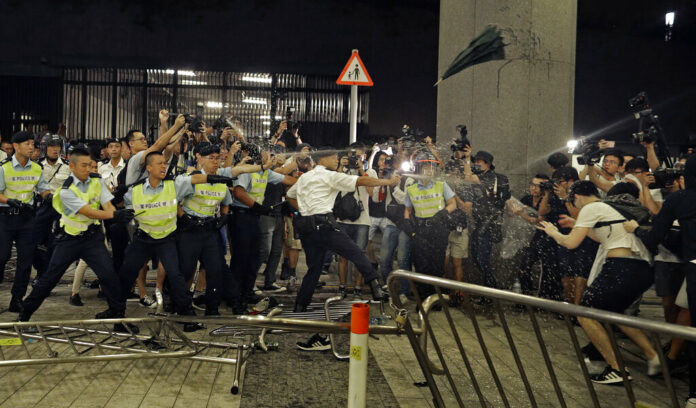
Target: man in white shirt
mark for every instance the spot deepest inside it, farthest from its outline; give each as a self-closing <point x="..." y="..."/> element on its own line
<point x="314" y="195"/>
<point x="109" y="170"/>
<point x="55" y="172"/>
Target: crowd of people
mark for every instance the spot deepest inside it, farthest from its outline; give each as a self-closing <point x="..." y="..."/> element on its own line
<point x="197" y="191"/>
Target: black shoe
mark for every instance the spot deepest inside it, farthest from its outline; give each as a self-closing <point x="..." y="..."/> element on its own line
<point x="315" y="343"/>
<point x="321" y="284"/>
<point x="300" y="308"/>
<point x="285" y="272"/>
<point x="199" y="301"/>
<point x="377" y="293"/>
<point x="193" y="326"/>
<point x="610" y="377"/>
<point x="239" y="308"/>
<point x="94" y="284"/>
<point x="212" y="312"/>
<point x="126" y="328"/>
<point x="101" y="295"/>
<point x="342" y="291"/>
<point x="75" y="300"/>
<point x="16" y="305"/>
<point x="109" y="314"/>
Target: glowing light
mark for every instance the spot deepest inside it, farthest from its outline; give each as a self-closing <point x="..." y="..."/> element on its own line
<point x="572" y="144"/>
<point x="191" y="82"/>
<point x="406" y="166"/>
<point x="265" y="80"/>
<point x="278" y="117"/>
<point x="182" y="73"/>
<point x="669" y="18"/>
<point x="213" y="104"/>
<point x="266" y="122"/>
<point x="256" y="101"/>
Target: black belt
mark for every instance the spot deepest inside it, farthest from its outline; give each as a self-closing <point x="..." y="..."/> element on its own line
<point x="240" y="210"/>
<point x="189" y="222"/>
<point x="16" y="211"/>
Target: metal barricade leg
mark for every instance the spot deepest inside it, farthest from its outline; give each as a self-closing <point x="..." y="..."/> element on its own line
<point x="545" y="353"/>
<point x="581" y="360"/>
<point x="237" y="371"/>
<point x="665" y="369"/>
<point x="622" y="368"/>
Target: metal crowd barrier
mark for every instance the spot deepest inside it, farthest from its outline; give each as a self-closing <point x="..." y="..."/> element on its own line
<point x="533" y="305"/>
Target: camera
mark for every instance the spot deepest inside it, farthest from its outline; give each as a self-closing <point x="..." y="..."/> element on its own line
<point x="353" y="162"/>
<point x="476" y="169"/>
<point x="411" y="134"/>
<point x="665" y="177"/>
<point x="546" y="186"/>
<point x="188" y="117"/>
<point x="645" y="136"/>
<point x="389" y="161"/>
<point x="254" y="152"/>
<point x="463" y="141"/>
<point x="590" y="152"/>
<point x="639" y="102"/>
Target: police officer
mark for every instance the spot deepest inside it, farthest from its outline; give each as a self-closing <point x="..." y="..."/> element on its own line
<point x="155" y="202"/>
<point x="428" y="204"/>
<point x="55" y="172"/>
<point x="314" y="195"/>
<point x="19" y="177"/>
<point x="198" y="229"/>
<point x="249" y="192"/>
<point x="80" y="235"/>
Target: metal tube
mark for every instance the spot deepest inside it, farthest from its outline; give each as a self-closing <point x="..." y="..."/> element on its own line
<point x="353" y="113"/>
<point x="547" y="359"/>
<point x="423" y="362"/>
<point x="335" y="352"/>
<point x="237" y="372"/>
<point x="515" y="354"/>
<point x="671" y="330"/>
<point x="622" y="367"/>
<point x="581" y="359"/>
<point x="665" y="369"/>
<point x="86" y="359"/>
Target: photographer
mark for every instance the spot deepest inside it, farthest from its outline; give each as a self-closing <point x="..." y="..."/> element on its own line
<point x="541" y="247"/>
<point x="290" y="136"/>
<point x="625" y="256"/>
<point x="491" y="191"/>
<point x="608" y="175"/>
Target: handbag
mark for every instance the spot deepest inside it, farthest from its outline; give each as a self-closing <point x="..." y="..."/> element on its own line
<point x="347" y="207"/>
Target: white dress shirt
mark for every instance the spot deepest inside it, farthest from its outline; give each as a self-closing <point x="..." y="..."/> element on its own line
<point x="316" y="190"/>
<point x="55" y="174"/>
<point x="109" y="172"/>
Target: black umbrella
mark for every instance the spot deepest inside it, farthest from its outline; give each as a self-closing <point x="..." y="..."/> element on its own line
<point x="487" y="46"/>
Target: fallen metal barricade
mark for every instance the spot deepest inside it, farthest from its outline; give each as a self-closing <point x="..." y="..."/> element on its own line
<point x="533" y="306"/>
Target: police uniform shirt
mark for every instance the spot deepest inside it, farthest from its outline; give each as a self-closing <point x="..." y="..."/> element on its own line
<point x="182" y="185"/>
<point x="109" y="172"/>
<point x="133" y="172"/>
<point x="225" y="201"/>
<point x="72" y="203"/>
<point x="55" y="174"/>
<point x="448" y="193"/>
<point x="41" y="186"/>
<point x="316" y="190"/>
<point x="244" y="181"/>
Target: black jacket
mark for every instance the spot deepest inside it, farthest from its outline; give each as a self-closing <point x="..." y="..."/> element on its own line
<point x="489" y="199"/>
<point x="680" y="206"/>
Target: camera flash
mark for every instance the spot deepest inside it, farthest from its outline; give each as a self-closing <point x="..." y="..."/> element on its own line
<point x="406" y="166"/>
<point x="572" y="144"/>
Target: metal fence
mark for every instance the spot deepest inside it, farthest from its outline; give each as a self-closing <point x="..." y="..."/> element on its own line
<point x="495" y="388"/>
<point x="99" y="103"/>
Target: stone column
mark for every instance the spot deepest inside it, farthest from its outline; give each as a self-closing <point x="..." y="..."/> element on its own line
<point x="519" y="109"/>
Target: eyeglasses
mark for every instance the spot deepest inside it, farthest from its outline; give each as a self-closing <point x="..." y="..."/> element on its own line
<point x="616" y="162"/>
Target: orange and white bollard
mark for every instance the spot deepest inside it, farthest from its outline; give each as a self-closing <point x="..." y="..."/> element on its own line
<point x="357" y="371"/>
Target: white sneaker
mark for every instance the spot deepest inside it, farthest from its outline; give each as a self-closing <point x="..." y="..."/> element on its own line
<point x="654" y="366"/>
<point x="594" y="367"/>
<point x="403" y="298"/>
<point x="257" y="291"/>
<point x="610" y="377"/>
<point x="690" y="403"/>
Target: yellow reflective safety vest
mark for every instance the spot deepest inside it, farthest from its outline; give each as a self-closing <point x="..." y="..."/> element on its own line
<point x="156" y="214"/>
<point x="429" y="201"/>
<point x="206" y="198"/>
<point x="19" y="185"/>
<point x="77" y="223"/>
<point x="258" y="186"/>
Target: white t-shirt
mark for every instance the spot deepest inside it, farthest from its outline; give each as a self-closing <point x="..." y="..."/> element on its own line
<point x="610" y="236"/>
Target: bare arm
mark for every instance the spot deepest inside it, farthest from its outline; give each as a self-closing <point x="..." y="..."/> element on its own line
<point x="106" y="214"/>
<point x="164" y="139"/>
<point x="544" y="206"/>
<point x="465" y="206"/>
<point x="163" y="117"/>
<point x="652" y="159"/>
<point x="451" y="204"/>
<point x="373" y="182"/>
<point x="288" y="180"/>
<point x="598" y="181"/>
<point x="570" y="241"/>
<point x="241" y="195"/>
<point x="292" y="202"/>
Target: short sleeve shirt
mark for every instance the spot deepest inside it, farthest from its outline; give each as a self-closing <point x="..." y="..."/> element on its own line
<point x="72" y="203"/>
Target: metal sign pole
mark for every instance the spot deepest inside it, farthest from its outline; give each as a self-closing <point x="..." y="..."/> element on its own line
<point x="353" y="113"/>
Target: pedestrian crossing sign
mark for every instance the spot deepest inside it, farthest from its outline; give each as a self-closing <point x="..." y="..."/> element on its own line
<point x="354" y="72"/>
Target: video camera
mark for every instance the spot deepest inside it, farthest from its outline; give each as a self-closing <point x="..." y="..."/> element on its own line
<point x="665" y="177"/>
<point x="463" y="141"/>
<point x="194" y="122"/>
<point x="590" y="152"/>
<point x="411" y="135"/>
<point x="546" y="186"/>
<point x="254" y="151"/>
<point x="649" y="128"/>
<point x="353" y="162"/>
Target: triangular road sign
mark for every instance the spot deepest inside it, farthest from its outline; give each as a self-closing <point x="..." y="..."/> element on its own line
<point x="354" y="72"/>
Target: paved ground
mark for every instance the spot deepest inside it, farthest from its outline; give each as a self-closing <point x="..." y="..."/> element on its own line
<point x="289" y="378"/>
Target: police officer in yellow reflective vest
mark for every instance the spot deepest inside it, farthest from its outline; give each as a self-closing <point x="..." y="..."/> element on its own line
<point x="249" y="191"/>
<point x="19" y="179"/>
<point x="80" y="235"/>
<point x="428" y="204"/>
<point x="198" y="232"/>
<point x="155" y="202"/>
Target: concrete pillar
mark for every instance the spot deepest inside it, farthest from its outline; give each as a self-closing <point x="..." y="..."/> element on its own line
<point x="520" y="109"/>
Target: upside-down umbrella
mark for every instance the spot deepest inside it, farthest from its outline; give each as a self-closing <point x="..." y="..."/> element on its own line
<point x="487" y="46"/>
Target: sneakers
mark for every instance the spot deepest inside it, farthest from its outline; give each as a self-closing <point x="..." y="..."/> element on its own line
<point x="315" y="343"/>
<point x="75" y="300"/>
<point x="198" y="302"/>
<point x="403" y="298"/>
<point x="159" y="299"/>
<point x="148" y="302"/>
<point x="609" y="377"/>
<point x="273" y="288"/>
<point x="257" y="291"/>
<point x="654" y="366"/>
<point x="342" y="291"/>
<point x="594" y="367"/>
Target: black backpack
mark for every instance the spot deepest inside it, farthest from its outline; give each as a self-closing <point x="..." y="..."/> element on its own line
<point x="347" y="206"/>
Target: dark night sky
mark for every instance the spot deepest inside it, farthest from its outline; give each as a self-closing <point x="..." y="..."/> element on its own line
<point x="620" y="49"/>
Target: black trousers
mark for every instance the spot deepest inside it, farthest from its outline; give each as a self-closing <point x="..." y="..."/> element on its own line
<point x="139" y="251"/>
<point x="316" y="244"/>
<point x="245" y="262"/>
<point x="117" y="234"/>
<point x="428" y="250"/>
<point x="43" y="237"/>
<point x="203" y="245"/>
<point x="481" y="249"/>
<point x="542" y="248"/>
<point x="271" y="248"/>
<point x="68" y="250"/>
<point x="17" y="229"/>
